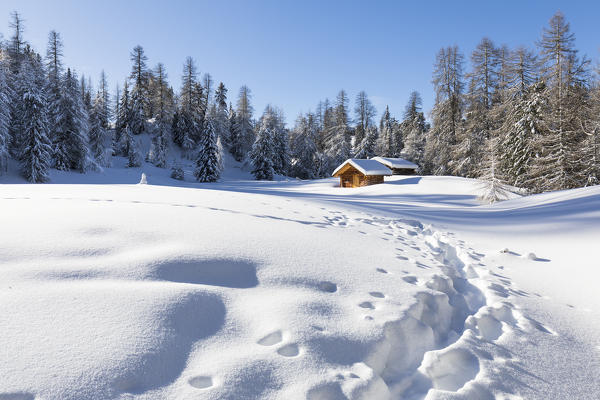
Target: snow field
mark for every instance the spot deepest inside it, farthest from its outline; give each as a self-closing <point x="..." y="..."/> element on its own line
<point x="281" y="290"/>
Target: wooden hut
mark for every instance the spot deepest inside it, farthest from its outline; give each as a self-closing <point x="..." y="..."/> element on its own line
<point x="399" y="166"/>
<point x="356" y="172"/>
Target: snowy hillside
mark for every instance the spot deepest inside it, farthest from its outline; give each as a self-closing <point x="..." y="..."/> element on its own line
<point x="295" y="289"/>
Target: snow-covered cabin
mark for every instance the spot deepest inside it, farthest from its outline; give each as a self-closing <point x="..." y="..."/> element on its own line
<point x="356" y="172"/>
<point x="399" y="166"/>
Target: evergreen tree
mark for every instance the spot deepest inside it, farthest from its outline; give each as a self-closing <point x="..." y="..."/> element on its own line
<point x="36" y="150"/>
<point x="54" y="66"/>
<point x="303" y="148"/>
<point x="5" y="108"/>
<point x="136" y="117"/>
<point x="189" y="123"/>
<point x="70" y="143"/>
<point x="140" y="90"/>
<point x="98" y="133"/>
<point x="517" y="116"/>
<point x="209" y="160"/>
<point x="415" y="129"/>
<point x="590" y="146"/>
<point x="134" y="156"/>
<point x="231" y="119"/>
<point x="563" y="73"/>
<point x="163" y="107"/>
<point x="15" y="51"/>
<point x="493" y="185"/>
<point x="242" y="130"/>
<point x="122" y="121"/>
<point x="364" y="112"/>
<point x="385" y="147"/>
<point x="471" y="142"/>
<point x="105" y="98"/>
<point x="447" y="111"/>
<point x="86" y="93"/>
<point x="221" y="119"/>
<point x="17" y="44"/>
<point x="367" y="147"/>
<point x="207" y="89"/>
<point x="99" y="124"/>
<point x="281" y="153"/>
<point x="338" y="135"/>
<point x="261" y="155"/>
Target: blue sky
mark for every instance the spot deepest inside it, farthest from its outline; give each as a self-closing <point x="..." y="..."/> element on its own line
<point x="293" y="53"/>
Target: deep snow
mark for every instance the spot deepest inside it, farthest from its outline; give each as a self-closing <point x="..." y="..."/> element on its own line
<point x="294" y="289"/>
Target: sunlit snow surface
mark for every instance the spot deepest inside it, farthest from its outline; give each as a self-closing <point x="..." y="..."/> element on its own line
<point x="293" y="290"/>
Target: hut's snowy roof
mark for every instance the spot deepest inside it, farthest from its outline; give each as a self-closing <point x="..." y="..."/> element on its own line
<point x="396" y="162"/>
<point x="367" y="167"/>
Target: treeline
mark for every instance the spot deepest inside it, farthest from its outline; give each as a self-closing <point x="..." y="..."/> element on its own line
<point x="521" y="117"/>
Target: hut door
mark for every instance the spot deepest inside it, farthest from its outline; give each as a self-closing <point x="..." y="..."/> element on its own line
<point x="355" y="180"/>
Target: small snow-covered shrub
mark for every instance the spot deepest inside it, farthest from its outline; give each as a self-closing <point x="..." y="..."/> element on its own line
<point x="177" y="173"/>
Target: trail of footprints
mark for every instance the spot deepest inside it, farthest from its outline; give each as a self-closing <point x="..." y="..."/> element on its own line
<point x="489" y="322"/>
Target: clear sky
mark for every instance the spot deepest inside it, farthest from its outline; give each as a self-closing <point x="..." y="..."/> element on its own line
<point x="293" y="53"/>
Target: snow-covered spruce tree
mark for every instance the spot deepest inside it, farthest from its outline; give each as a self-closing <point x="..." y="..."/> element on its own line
<point x="221" y="119"/>
<point x="415" y="128"/>
<point x="16" y="44"/>
<point x="5" y="96"/>
<point x="469" y="148"/>
<point x="364" y="112"/>
<point x="122" y="121"/>
<point x="338" y="135"/>
<point x="303" y="149"/>
<point x="200" y="108"/>
<point x="494" y="188"/>
<point x="70" y="142"/>
<point x="516" y="116"/>
<point x="36" y="150"/>
<point x="242" y="130"/>
<point x="189" y="124"/>
<point x="163" y="108"/>
<point x="367" y="148"/>
<point x="323" y="122"/>
<point x="564" y="74"/>
<point x="134" y="155"/>
<point x="525" y="124"/>
<point x="590" y="149"/>
<point x="385" y="144"/>
<point x="98" y="134"/>
<point x="139" y="92"/>
<point x="281" y="153"/>
<point x="207" y="91"/>
<point x="54" y="54"/>
<point x="16" y="51"/>
<point x="209" y="163"/>
<point x="137" y="120"/>
<point x="231" y="120"/>
<point x="447" y="111"/>
<point x="85" y="86"/>
<point x="261" y="154"/>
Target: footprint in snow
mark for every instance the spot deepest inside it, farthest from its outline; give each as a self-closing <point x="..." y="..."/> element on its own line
<point x="289" y="350"/>
<point x="271" y="339"/>
<point x="367" y="304"/>
<point x="328" y="287"/>
<point x="410" y="279"/>
<point x="201" y="382"/>
<point x="379" y="295"/>
<point x="383" y="271"/>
